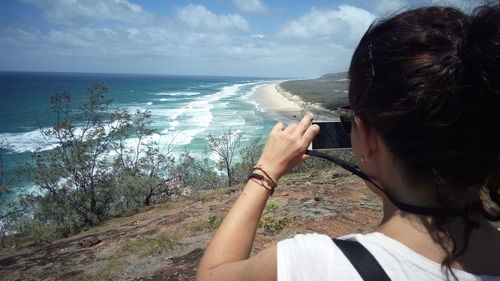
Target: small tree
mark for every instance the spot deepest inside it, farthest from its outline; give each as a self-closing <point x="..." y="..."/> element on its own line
<point x="8" y="210"/>
<point x="73" y="177"/>
<point x="226" y="147"/>
<point x="142" y="167"/>
<point x="250" y="154"/>
<point x="4" y="185"/>
<point x="197" y="173"/>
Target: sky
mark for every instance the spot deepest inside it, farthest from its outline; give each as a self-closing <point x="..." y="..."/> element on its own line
<point x="257" y="38"/>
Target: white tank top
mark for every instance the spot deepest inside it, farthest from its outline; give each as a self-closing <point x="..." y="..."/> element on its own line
<point x="316" y="257"/>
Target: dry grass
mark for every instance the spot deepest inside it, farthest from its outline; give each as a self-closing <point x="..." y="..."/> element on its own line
<point x="112" y="270"/>
<point x="149" y="246"/>
<point x="202" y="194"/>
<point x="113" y="265"/>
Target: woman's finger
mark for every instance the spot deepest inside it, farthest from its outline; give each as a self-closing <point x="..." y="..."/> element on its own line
<point x="304" y="158"/>
<point x="304" y="123"/>
<point x="310" y="133"/>
<point x="278" y="127"/>
<point x="291" y="128"/>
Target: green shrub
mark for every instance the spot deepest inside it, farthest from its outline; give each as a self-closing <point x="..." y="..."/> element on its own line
<point x="211" y="221"/>
<point x="272" y="207"/>
<point x="275" y="224"/>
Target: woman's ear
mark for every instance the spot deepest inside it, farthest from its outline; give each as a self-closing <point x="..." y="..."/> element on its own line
<point x="366" y="139"/>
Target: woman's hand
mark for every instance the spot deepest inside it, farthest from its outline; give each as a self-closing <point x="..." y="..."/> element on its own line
<point x="227" y="256"/>
<point x="285" y="147"/>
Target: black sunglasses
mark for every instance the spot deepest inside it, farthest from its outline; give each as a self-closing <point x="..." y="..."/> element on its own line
<point x="345" y="113"/>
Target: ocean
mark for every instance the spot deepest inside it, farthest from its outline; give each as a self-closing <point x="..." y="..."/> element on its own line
<point x="184" y="109"/>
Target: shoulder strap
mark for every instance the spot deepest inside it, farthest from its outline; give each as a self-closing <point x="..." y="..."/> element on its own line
<point x="362" y="260"/>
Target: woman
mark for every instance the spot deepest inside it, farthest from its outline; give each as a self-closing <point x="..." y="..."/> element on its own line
<point x="425" y="97"/>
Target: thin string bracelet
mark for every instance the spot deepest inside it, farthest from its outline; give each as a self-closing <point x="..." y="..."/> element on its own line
<point x="261" y="180"/>
<point x="258" y="167"/>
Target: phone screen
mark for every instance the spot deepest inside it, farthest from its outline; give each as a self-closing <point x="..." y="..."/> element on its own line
<point x="331" y="136"/>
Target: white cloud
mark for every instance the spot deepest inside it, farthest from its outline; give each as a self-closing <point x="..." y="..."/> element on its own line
<point x="250" y="6"/>
<point x="74" y="11"/>
<point x="193" y="41"/>
<point x="346" y="24"/>
<point x="199" y="17"/>
<point x="149" y="49"/>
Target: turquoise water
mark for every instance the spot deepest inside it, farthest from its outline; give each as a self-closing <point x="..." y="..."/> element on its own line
<point x="185" y="109"/>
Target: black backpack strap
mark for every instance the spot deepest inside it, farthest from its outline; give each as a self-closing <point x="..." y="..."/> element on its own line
<point x="362" y="260"/>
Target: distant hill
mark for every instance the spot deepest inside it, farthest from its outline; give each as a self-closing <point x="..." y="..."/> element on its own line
<point x="330" y="90"/>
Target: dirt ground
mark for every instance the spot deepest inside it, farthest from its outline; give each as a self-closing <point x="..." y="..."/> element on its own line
<point x="166" y="242"/>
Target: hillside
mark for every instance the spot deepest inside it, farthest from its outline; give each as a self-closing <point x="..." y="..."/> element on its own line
<point x="166" y="242"/>
<point x="329" y="90"/>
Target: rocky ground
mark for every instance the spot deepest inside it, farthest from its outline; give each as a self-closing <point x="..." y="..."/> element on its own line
<point x="166" y="242"/>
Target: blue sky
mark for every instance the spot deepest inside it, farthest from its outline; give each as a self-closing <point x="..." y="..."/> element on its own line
<point x="281" y="38"/>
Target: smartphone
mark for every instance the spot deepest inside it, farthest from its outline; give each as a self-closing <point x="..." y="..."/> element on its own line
<point x="331" y="136"/>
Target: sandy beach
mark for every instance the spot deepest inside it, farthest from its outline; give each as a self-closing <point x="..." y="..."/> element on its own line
<point x="282" y="106"/>
<point x="273" y="100"/>
<point x="275" y="106"/>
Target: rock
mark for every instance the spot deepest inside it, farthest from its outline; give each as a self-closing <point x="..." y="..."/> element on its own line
<point x="8" y="261"/>
<point x="186" y="191"/>
<point x="175" y="187"/>
<point x="336" y="175"/>
<point x="86" y="243"/>
<point x="314" y="174"/>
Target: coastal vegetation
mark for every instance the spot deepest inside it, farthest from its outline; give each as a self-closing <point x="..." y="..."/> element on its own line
<point x="329" y="91"/>
<point x="165" y="241"/>
<point x="105" y="162"/>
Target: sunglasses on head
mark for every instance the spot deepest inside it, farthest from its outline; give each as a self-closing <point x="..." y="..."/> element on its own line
<point x="345" y="114"/>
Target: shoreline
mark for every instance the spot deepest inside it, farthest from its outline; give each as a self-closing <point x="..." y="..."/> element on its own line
<point x="275" y="106"/>
<point x="283" y="106"/>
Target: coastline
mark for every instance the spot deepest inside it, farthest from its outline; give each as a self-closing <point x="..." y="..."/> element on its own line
<point x="281" y="105"/>
<point x="276" y="106"/>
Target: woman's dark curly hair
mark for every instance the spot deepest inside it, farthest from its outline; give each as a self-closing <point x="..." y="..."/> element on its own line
<point x="428" y="80"/>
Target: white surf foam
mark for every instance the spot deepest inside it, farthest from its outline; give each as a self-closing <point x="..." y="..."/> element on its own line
<point x="171" y="113"/>
<point x="162" y="141"/>
<point x="226" y="92"/>
<point x="194" y="116"/>
<point x="176" y="93"/>
<point x="28" y="141"/>
<point x="174" y="124"/>
<point x="35" y="140"/>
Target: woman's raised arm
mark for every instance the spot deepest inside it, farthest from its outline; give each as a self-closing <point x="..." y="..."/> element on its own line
<point x="227" y="255"/>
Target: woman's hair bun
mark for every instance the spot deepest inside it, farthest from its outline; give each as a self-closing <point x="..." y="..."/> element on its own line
<point x="483" y="63"/>
<point x="483" y="53"/>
